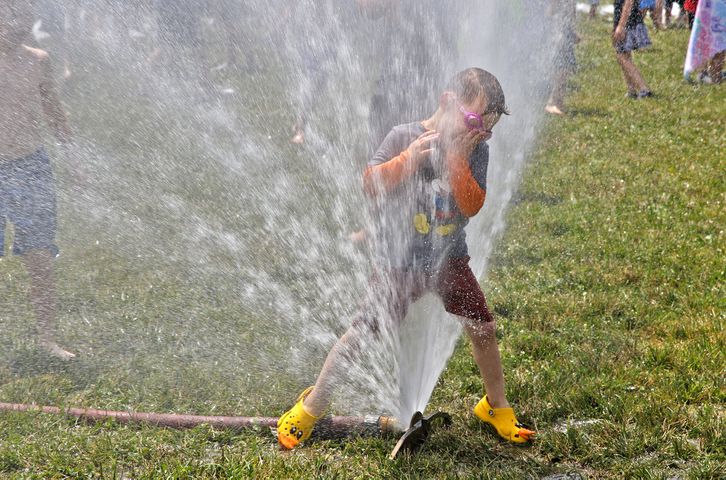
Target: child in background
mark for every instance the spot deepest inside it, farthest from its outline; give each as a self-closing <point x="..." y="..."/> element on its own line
<point x="630" y="34"/>
<point x="563" y="15"/>
<point x="690" y="6"/>
<point x="426" y="180"/>
<point x="669" y="11"/>
<point x="27" y="194"/>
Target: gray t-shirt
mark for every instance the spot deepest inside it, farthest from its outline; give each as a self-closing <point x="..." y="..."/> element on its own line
<point x="418" y="223"/>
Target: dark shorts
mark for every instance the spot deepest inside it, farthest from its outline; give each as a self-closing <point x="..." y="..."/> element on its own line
<point x="391" y="293"/>
<point x="635" y="38"/>
<point x="27" y="200"/>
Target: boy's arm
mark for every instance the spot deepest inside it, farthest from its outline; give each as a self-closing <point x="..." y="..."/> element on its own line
<point x="467" y="162"/>
<point x="54" y="113"/>
<point x="384" y="175"/>
<point x="469" y="195"/>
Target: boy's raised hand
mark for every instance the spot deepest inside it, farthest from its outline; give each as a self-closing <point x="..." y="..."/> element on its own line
<point x="466" y="143"/>
<point x="421" y="148"/>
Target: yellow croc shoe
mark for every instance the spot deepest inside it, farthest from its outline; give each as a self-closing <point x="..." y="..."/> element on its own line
<point x="296" y="424"/>
<point x="503" y="419"/>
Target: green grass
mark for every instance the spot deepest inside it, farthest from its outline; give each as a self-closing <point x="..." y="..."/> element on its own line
<point x="609" y="285"/>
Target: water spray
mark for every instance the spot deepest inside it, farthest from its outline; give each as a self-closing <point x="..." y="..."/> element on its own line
<point x="332" y="427"/>
<point x="225" y="240"/>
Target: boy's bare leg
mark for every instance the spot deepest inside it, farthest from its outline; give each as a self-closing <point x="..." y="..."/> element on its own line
<point x="486" y="355"/>
<point x="39" y="264"/>
<point x="346" y="347"/>
<point x="485" y="351"/>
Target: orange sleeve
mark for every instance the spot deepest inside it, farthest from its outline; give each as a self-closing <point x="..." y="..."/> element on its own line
<point x="385" y="177"/>
<point x="468" y="194"/>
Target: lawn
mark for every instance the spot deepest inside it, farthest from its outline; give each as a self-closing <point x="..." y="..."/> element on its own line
<point x="608" y="285"/>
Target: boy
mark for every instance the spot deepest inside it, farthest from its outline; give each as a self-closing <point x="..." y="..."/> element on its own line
<point x="426" y="180"/>
<point x="629" y="34"/>
<point x="27" y="195"/>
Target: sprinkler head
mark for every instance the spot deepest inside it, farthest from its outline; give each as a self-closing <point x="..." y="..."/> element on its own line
<point x="418" y="432"/>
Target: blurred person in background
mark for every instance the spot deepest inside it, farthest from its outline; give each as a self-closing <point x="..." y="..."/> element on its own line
<point x="27" y="189"/>
<point x="629" y="35"/>
<point x="669" y="11"/>
<point x="50" y="28"/>
<point x="562" y="15"/>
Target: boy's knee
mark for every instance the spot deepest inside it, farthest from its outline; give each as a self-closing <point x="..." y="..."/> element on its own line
<point x="481" y="331"/>
<point x="360" y="330"/>
<point x="364" y="323"/>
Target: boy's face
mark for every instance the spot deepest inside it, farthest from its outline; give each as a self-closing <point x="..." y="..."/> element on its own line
<point x="460" y="117"/>
<point x="16" y="21"/>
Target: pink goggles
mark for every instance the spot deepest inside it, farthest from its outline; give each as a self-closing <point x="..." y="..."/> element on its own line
<point x="472" y="120"/>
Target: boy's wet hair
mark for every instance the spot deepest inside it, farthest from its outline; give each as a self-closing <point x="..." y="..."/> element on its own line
<point x="473" y="83"/>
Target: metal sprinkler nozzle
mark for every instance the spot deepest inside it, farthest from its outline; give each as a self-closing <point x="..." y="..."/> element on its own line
<point x="418" y="432"/>
<point x="343" y="427"/>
